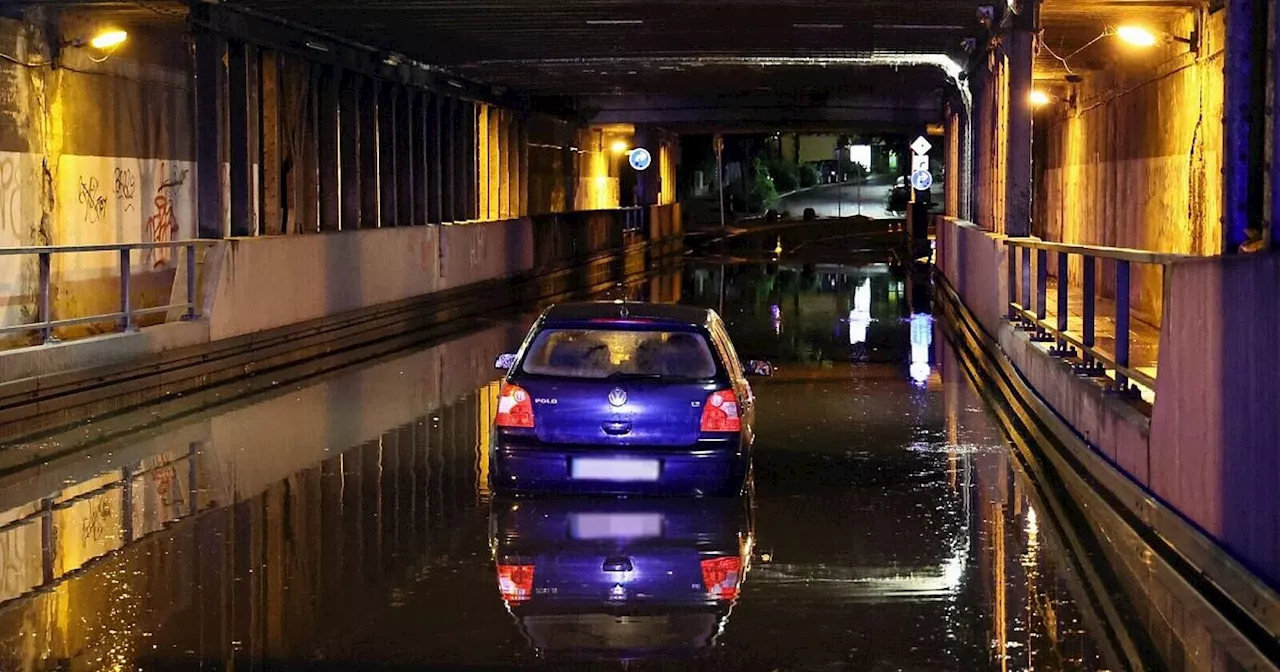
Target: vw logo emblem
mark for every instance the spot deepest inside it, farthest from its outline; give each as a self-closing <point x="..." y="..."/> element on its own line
<point x="618" y="396"/>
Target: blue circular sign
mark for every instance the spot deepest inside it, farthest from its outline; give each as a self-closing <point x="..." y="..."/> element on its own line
<point x="640" y="158"/>
<point x="922" y="179"/>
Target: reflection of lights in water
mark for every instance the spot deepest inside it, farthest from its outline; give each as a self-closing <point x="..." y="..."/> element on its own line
<point x="860" y="316"/>
<point x="1033" y="531"/>
<point x="778" y="249"/>
<point x="776" y="312"/>
<point x="921" y="339"/>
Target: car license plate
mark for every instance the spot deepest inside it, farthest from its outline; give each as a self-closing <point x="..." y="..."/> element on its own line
<point x="615" y="470"/>
<point x="616" y="525"/>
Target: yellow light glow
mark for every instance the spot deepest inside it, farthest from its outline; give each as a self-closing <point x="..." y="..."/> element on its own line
<point x="1039" y="98"/>
<point x="620" y="146"/>
<point x="108" y="39"/>
<point x="1136" y="36"/>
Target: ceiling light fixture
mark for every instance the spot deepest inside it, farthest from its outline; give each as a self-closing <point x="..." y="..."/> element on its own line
<point x="615" y="22"/>
<point x="818" y="26"/>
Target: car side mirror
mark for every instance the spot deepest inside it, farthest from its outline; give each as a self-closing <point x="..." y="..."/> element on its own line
<point x="758" y="367"/>
<point x="505" y="361"/>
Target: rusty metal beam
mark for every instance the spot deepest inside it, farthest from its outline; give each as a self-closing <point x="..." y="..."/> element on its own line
<point x="241" y="170"/>
<point x="271" y="208"/>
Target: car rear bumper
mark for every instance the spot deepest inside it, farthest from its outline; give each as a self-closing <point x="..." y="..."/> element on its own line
<point x="708" y="468"/>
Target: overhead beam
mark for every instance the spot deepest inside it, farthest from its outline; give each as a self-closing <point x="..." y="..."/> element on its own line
<point x="250" y="27"/>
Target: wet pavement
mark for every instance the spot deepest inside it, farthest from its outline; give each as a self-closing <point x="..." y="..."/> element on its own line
<point x="346" y="523"/>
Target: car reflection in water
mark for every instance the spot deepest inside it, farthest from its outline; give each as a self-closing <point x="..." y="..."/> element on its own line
<point x="621" y="579"/>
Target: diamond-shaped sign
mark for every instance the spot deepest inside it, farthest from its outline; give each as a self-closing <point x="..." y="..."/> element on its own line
<point x="920" y="146"/>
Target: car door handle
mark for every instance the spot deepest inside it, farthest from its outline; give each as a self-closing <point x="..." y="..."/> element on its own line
<point x="616" y="428"/>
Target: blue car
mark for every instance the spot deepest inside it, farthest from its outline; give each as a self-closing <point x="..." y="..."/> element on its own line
<point x="621" y="579"/>
<point x="624" y="398"/>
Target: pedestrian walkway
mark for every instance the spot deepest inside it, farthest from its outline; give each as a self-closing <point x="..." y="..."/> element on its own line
<point x="1144" y="339"/>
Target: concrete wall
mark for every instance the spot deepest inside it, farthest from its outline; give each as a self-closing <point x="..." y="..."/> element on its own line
<point x="975" y="263"/>
<point x="317" y="276"/>
<point x="92" y="153"/>
<point x="1138" y="161"/>
<point x="1215" y="428"/>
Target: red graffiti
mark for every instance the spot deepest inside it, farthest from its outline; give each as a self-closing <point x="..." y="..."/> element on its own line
<point x="162" y="226"/>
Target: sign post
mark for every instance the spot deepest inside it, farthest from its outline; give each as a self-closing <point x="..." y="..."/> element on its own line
<point x="719" y="145"/>
<point x="921" y="180"/>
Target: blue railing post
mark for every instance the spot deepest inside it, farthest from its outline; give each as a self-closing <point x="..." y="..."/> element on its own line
<point x="1089" y="289"/>
<point x="1011" y="261"/>
<point x="126" y="302"/>
<point x="1063" y="303"/>
<point x="1026" y="278"/>
<point x="46" y="302"/>
<point x="191" y="282"/>
<point x="1122" y="324"/>
<point x="1042" y="284"/>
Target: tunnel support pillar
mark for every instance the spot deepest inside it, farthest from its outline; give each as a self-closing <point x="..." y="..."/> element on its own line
<point x="369" y="211"/>
<point x="209" y="51"/>
<point x="327" y="115"/>
<point x="1021" y="55"/>
<point x="349" y="150"/>
<point x="1244" y="98"/>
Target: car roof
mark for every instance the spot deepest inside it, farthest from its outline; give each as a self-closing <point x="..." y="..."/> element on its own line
<point x="658" y="313"/>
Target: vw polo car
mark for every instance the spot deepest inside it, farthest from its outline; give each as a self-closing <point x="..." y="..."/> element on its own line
<point x="624" y="398"/>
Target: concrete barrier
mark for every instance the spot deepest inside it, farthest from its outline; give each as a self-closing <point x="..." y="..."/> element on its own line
<point x="272" y="301"/>
<point x="1216" y="423"/>
<point x="1209" y="448"/>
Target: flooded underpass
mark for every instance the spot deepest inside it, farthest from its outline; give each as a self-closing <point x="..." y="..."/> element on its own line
<point x="346" y="523"/>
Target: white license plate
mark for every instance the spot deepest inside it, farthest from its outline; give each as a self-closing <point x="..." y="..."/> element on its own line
<point x="615" y="470"/>
<point x="616" y="525"/>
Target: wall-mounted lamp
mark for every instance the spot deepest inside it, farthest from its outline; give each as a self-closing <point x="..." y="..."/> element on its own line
<point x="1040" y="98"/>
<point x="1144" y="37"/>
<point x="620" y="147"/>
<point x="106" y="39"/>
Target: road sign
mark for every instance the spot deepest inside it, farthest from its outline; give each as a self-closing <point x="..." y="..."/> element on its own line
<point x="639" y="158"/>
<point x="919" y="162"/>
<point x="921" y="146"/>
<point x="921" y="180"/>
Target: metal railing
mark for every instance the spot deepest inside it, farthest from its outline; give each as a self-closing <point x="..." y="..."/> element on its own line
<point x="127" y="314"/>
<point x="1094" y="361"/>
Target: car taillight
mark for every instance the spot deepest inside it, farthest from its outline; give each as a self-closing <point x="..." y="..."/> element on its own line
<point x="720" y="413"/>
<point x="720" y="577"/>
<point x="515" y="582"/>
<point x="515" y="408"/>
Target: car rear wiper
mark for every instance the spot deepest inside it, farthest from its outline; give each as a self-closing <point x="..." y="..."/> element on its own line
<point x="619" y="375"/>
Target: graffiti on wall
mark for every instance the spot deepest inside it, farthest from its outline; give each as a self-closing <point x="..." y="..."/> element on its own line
<point x="162" y="226"/>
<point x="9" y="214"/>
<point x="126" y="187"/>
<point x="95" y="204"/>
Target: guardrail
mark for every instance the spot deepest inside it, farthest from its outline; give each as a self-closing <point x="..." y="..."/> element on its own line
<point x="127" y="312"/>
<point x="1094" y="361"/>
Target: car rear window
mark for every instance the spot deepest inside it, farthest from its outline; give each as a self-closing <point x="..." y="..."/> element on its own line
<point x="605" y="353"/>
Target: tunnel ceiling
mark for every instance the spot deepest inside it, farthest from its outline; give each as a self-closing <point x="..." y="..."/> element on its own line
<point x="611" y="47"/>
<point x="1072" y="29"/>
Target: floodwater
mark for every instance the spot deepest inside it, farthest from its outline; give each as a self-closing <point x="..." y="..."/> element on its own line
<point x="345" y="523"/>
